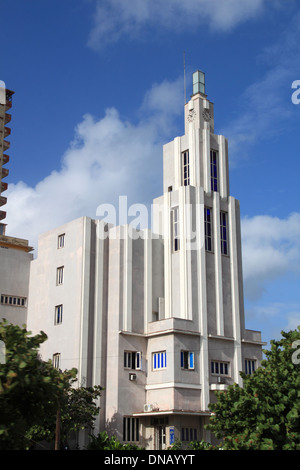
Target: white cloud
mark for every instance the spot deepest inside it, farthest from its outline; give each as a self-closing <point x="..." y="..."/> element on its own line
<point x="271" y="249"/>
<point x="293" y="320"/>
<point x="108" y="157"/>
<point x="116" y="18"/>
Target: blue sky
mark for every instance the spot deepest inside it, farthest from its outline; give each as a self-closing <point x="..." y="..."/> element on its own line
<point x="99" y="89"/>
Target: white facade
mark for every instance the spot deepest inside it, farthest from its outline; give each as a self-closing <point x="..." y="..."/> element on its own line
<point x="15" y="259"/>
<point x="157" y="318"/>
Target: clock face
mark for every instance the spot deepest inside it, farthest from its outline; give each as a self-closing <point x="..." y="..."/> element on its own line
<point x="206" y="115"/>
<point x="191" y="116"/>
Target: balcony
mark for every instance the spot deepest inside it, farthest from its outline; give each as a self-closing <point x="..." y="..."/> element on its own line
<point x="7" y="118"/>
<point x="3" y="201"/>
<point x="4" y="186"/>
<point x="6" y="145"/>
<point x="5" y="172"/>
<point x="5" y="159"/>
<point x="2" y="215"/>
<point x="7" y="131"/>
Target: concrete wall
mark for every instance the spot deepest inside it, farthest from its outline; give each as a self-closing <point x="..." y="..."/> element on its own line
<point x="14" y="280"/>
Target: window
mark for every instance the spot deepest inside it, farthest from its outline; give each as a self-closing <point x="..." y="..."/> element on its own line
<point x="56" y="360"/>
<point x="213" y="170"/>
<point x="58" y="314"/>
<point x="250" y="366"/>
<point x="132" y="360"/>
<point x="131" y="429"/>
<point x="185" y="168"/>
<point x="61" y="241"/>
<point x="175" y="229"/>
<point x="60" y="275"/>
<point x="220" y="368"/>
<point x="208" y="228"/>
<point x="12" y="300"/>
<point x="159" y="360"/>
<point x="224" y="234"/>
<point x="189" y="434"/>
<point x="187" y="360"/>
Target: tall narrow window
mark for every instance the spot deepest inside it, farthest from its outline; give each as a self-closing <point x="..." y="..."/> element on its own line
<point x="61" y="241"/>
<point x="175" y="229"/>
<point x="208" y="228"/>
<point x="224" y="233"/>
<point x="58" y="314"/>
<point x="56" y="360"/>
<point x="185" y="168"/>
<point x="214" y="170"/>
<point x="60" y="275"/>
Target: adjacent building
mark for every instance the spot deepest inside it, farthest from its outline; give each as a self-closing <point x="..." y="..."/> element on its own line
<point x="155" y="316"/>
<point x="5" y="117"/>
<point x="15" y="253"/>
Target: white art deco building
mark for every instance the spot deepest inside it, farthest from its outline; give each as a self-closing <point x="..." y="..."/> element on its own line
<point x="155" y="317"/>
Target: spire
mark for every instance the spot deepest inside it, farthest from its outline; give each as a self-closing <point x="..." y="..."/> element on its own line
<point x="198" y="82"/>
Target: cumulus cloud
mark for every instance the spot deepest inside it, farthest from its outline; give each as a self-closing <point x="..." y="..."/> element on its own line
<point x="114" y="19"/>
<point x="108" y="157"/>
<point x="271" y="249"/>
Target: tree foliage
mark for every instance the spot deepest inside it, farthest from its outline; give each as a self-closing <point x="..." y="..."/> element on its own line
<point x="32" y="391"/>
<point x="102" y="441"/>
<point x="264" y="414"/>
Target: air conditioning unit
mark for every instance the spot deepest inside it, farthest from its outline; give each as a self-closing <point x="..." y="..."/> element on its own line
<point x="132" y="376"/>
<point x="148" y="407"/>
<point x="221" y="380"/>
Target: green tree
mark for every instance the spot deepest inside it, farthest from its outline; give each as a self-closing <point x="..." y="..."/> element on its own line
<point x="77" y="411"/>
<point x="30" y="389"/>
<point x="102" y="441"/>
<point x="264" y="414"/>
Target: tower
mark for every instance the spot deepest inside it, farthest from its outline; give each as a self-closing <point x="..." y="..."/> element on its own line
<point x="203" y="282"/>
